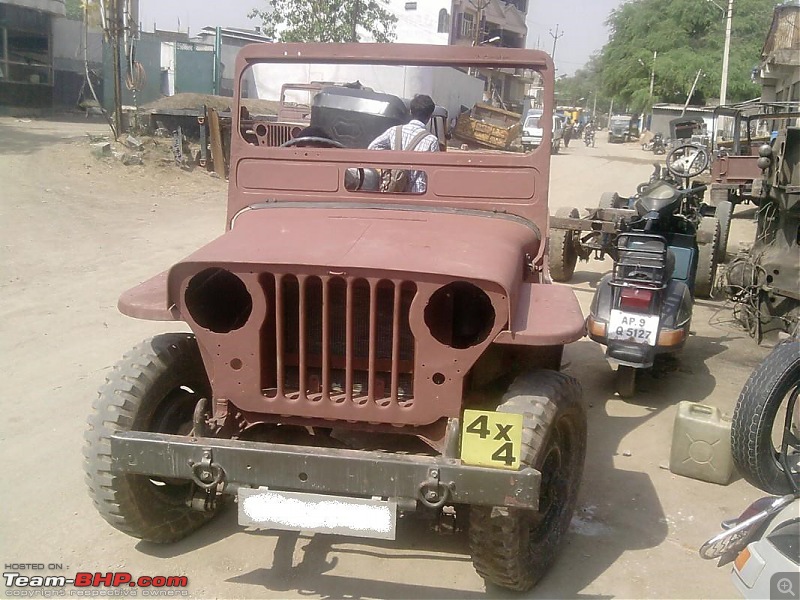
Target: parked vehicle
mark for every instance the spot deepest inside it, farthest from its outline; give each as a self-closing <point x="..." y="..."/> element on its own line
<point x="623" y="128"/>
<point x="763" y="282"/>
<point x="663" y="257"/>
<point x="763" y="543"/>
<point x="533" y="134"/>
<point x="355" y="354"/>
<point x="594" y="235"/>
<point x="738" y="163"/>
<point x="488" y="126"/>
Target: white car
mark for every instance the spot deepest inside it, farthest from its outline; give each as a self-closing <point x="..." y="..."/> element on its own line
<point x="532" y="132"/>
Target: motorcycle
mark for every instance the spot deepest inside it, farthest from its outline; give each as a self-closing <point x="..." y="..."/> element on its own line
<point x="664" y="255"/>
<point x="588" y="136"/>
<point x="656" y="145"/>
<point x="659" y="147"/>
<point x="762" y="542"/>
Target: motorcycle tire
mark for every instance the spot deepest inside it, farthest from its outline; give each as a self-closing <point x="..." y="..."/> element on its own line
<point x="659" y="150"/>
<point x="770" y="386"/>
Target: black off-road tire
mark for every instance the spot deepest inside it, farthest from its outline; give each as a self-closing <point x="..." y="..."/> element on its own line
<point x="767" y="388"/>
<point x="563" y="255"/>
<point x="723" y="212"/>
<point x="625" y="381"/>
<point x="148" y="390"/>
<point x="707" y="258"/>
<point x="513" y="548"/>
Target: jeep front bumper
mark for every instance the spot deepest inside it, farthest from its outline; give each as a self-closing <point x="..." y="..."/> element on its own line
<point x="433" y="480"/>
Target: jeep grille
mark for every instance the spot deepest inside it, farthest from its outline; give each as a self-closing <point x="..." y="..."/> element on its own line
<point x="337" y="339"/>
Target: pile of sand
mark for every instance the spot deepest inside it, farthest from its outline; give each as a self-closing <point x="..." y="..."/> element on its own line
<point x="190" y="101"/>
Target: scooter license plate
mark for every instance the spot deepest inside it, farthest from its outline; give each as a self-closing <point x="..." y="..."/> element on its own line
<point x="630" y="327"/>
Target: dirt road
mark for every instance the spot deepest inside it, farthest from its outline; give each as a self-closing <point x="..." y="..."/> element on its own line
<point x="76" y="231"/>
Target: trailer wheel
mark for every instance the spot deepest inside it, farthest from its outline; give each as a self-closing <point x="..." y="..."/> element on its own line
<point x="723" y="212"/>
<point x="625" y="381"/>
<point x="760" y="413"/>
<point x="706" y="257"/>
<point x="609" y="200"/>
<point x="155" y="387"/>
<point x="513" y="548"/>
<point x="563" y="254"/>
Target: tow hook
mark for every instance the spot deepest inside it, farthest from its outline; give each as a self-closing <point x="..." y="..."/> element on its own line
<point x="207" y="474"/>
<point x="432" y="492"/>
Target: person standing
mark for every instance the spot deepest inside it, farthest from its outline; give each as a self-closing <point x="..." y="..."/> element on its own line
<point x="412" y="136"/>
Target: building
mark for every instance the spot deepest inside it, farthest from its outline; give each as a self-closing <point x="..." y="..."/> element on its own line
<point x="26" y="52"/>
<point x="779" y="70"/>
<point x="232" y="39"/>
<point x="470" y="23"/>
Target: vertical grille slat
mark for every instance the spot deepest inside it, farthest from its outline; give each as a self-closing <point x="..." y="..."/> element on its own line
<point x="326" y="333"/>
<point x="395" y="339"/>
<point x="348" y="385"/>
<point x="338" y="339"/>
<point x="302" y="386"/>
<point x="279" y="325"/>
<point x="373" y="320"/>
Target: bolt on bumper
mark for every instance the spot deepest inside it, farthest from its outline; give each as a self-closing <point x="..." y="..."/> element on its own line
<point x="433" y="480"/>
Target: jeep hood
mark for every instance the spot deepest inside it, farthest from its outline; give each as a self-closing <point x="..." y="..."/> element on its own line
<point x="452" y="243"/>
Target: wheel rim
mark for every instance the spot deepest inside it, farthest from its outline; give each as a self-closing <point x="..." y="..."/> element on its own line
<point x="174" y="415"/>
<point x="787" y="417"/>
<point x="557" y="471"/>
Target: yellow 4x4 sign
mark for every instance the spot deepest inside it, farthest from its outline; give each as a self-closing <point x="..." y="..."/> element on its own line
<point x="491" y="439"/>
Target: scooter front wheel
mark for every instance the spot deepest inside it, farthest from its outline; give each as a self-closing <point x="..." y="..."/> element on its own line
<point x="625" y="382"/>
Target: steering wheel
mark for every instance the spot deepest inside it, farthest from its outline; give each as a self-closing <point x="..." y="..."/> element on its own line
<point x="687" y="160"/>
<point x="328" y="143"/>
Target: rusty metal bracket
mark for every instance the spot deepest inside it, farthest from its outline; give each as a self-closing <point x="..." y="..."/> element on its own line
<point x="432" y="492"/>
<point x="207" y="474"/>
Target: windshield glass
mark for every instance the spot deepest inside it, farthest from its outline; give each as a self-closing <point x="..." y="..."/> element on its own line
<point x="532" y="122"/>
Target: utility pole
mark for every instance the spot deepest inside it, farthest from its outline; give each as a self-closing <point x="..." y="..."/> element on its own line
<point x="723" y="89"/>
<point x="115" y="26"/>
<point x="480" y="6"/>
<point x="691" y="91"/>
<point x="354" y="20"/>
<point x="555" y="37"/>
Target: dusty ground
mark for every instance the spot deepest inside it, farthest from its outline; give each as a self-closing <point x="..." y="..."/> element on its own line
<point x="76" y="231"/>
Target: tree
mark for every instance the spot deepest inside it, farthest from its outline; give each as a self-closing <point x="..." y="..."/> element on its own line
<point x="688" y="35"/>
<point x="325" y="21"/>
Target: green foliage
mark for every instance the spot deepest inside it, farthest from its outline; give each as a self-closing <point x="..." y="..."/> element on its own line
<point x="326" y="21"/>
<point x="74" y="9"/>
<point x="585" y="83"/>
<point x="688" y="35"/>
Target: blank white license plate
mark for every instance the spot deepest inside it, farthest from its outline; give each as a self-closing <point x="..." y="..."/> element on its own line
<point x="630" y="327"/>
<point x="299" y="511"/>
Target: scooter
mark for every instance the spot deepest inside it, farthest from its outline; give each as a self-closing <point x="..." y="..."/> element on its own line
<point x="643" y="308"/>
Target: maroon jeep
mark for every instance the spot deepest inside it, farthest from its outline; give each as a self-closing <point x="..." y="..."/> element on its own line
<point x="355" y="352"/>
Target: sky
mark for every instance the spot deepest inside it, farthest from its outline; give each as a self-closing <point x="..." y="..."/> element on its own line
<point x="581" y="21"/>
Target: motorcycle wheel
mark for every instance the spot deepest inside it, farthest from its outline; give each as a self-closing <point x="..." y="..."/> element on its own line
<point x="659" y="150"/>
<point x="770" y="392"/>
<point x="707" y="258"/>
<point x="625" y="381"/>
